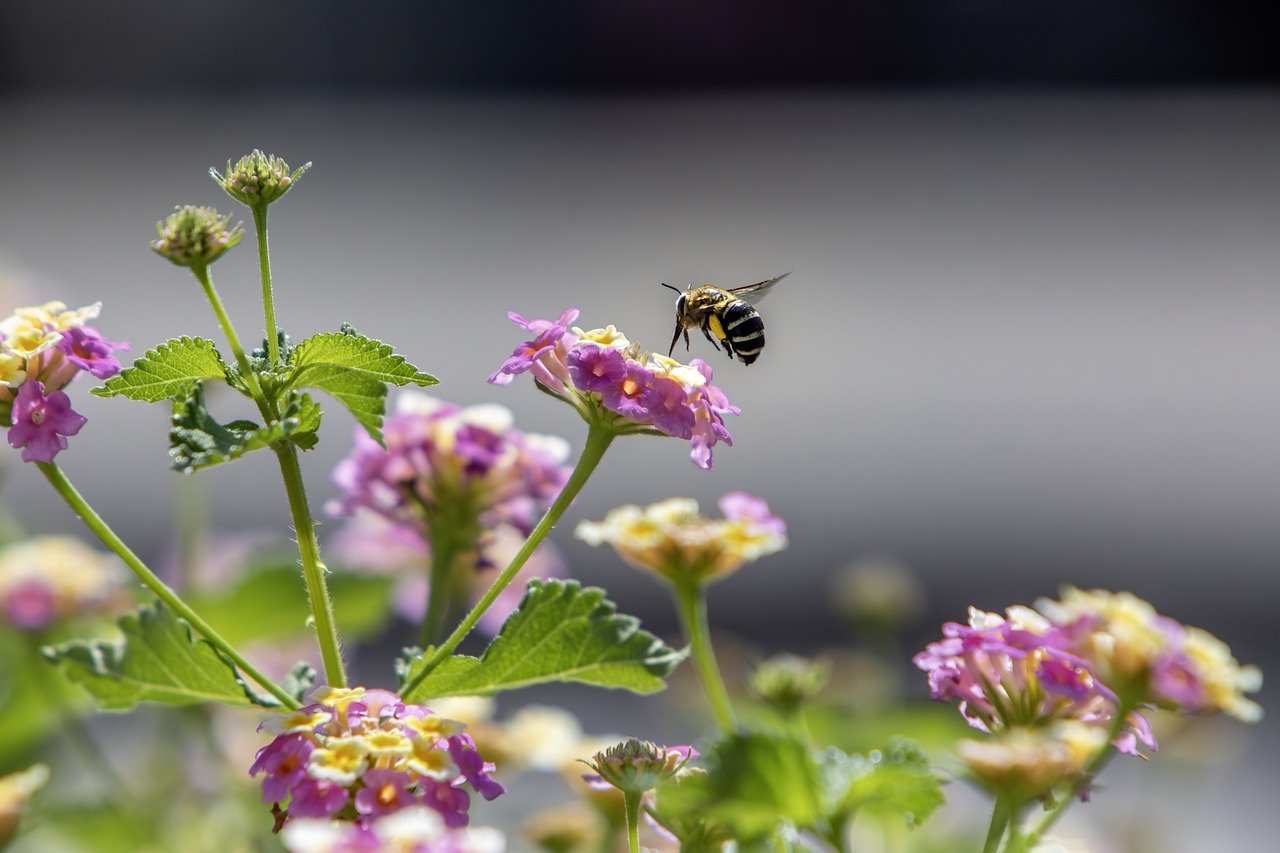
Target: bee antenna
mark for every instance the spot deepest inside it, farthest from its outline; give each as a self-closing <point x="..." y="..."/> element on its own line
<point x="672" y="287"/>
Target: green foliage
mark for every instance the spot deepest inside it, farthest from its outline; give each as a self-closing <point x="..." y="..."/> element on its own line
<point x="755" y="782"/>
<point x="33" y="700"/>
<point x="158" y="660"/>
<point x="355" y="371"/>
<point x="897" y="780"/>
<point x="197" y="440"/>
<point x="169" y="370"/>
<point x="300" y="680"/>
<point x="559" y="633"/>
<point x="267" y="604"/>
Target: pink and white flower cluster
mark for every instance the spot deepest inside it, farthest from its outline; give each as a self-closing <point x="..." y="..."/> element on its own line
<point x="356" y="755"/>
<point x="42" y="348"/>
<point x="1083" y="659"/>
<point x="412" y="830"/>
<point x="50" y="578"/>
<point x="602" y="374"/>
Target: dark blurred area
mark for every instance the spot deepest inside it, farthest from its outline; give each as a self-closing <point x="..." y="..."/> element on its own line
<point x="244" y="46"/>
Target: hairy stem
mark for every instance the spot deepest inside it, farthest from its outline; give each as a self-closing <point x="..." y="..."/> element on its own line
<point x="313" y="570"/>
<point x="94" y="522"/>
<point x="268" y="297"/>
<point x="691" y="603"/>
<point x="246" y="372"/>
<point x="599" y="437"/>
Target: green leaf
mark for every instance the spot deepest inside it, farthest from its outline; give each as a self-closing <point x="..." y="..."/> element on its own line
<point x="755" y="782"/>
<point x="560" y="632"/>
<point x="197" y="440"/>
<point x="267" y="605"/>
<point x="169" y="370"/>
<point x="355" y="371"/>
<point x="157" y="660"/>
<point x="897" y="780"/>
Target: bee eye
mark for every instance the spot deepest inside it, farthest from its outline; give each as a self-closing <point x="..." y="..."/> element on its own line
<point x="680" y="304"/>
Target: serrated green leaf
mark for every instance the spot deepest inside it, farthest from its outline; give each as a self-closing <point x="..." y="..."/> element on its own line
<point x="755" y="783"/>
<point x="560" y="632"/>
<point x="167" y="371"/>
<point x="355" y="371"/>
<point x="896" y="780"/>
<point x="197" y="440"/>
<point x="157" y="660"/>
<point x="266" y="604"/>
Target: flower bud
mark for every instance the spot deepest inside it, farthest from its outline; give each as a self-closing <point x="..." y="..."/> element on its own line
<point x="257" y="178"/>
<point x="635" y="766"/>
<point x="15" y="790"/>
<point x="788" y="682"/>
<point x="195" y="236"/>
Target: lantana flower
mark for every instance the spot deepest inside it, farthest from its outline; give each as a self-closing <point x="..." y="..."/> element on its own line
<point x="416" y="829"/>
<point x="672" y="539"/>
<point x="457" y="482"/>
<point x="47" y="579"/>
<point x="636" y="766"/>
<point x="1019" y="670"/>
<point x="43" y="348"/>
<point x="1152" y="658"/>
<point x="608" y="379"/>
<point x="358" y="755"/>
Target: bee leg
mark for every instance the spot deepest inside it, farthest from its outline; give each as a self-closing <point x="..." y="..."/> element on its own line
<point x="676" y="337"/>
<point x="707" y="333"/>
<point x="686" y="341"/>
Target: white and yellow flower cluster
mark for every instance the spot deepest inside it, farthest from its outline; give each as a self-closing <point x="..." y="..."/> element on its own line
<point x="50" y="578"/>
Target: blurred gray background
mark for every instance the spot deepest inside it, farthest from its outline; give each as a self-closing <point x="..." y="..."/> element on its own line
<point x="1029" y="338"/>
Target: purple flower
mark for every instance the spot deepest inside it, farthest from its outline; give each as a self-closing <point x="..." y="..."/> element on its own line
<point x="317" y="798"/>
<point x="41" y="424"/>
<point x="385" y="791"/>
<point x="284" y="760"/>
<point x="30" y="604"/>
<point x="596" y="368"/>
<point x="85" y="347"/>
<point x="474" y="768"/>
<point x="749" y="509"/>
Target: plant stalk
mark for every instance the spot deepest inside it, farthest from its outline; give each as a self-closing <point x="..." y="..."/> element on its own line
<point x="631" y="802"/>
<point x="691" y="603"/>
<point x="108" y="537"/>
<point x="268" y="296"/>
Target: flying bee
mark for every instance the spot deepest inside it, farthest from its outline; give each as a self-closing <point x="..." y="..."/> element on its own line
<point x="726" y="317"/>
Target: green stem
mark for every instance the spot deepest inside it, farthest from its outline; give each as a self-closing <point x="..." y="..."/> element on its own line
<point x="631" y="802"/>
<point x="999" y="822"/>
<point x="599" y="437"/>
<point x="444" y="553"/>
<point x="1092" y="769"/>
<point x="94" y="522"/>
<point x="229" y="331"/>
<point x="268" y="297"/>
<point x="691" y="603"/>
<point x="313" y="570"/>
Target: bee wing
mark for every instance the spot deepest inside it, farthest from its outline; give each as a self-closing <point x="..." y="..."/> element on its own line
<point x="755" y="292"/>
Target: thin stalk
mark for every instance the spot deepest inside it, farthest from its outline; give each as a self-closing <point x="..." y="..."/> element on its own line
<point x="999" y="823"/>
<point x="229" y="331"/>
<point x="691" y="603"/>
<point x="599" y="437"/>
<point x="1092" y="769"/>
<point x="94" y="522"/>
<point x="444" y="555"/>
<point x="268" y="297"/>
<point x="313" y="570"/>
<point x="631" y="802"/>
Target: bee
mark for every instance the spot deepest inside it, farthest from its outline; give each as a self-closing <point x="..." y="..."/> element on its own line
<point x="725" y="316"/>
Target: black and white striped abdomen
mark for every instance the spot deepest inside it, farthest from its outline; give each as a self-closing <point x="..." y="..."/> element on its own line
<point x="744" y="330"/>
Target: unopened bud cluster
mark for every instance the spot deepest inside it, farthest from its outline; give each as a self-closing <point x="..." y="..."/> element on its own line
<point x="258" y="178"/>
<point x="195" y="236"/>
<point x="788" y="682"/>
<point x="636" y="766"/>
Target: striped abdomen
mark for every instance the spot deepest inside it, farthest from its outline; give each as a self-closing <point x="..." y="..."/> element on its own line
<point x="743" y="330"/>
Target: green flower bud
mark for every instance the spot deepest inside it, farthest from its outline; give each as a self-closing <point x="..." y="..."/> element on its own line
<point x="195" y="236"/>
<point x="787" y="682"/>
<point x="257" y="178"/>
<point x="635" y="766"/>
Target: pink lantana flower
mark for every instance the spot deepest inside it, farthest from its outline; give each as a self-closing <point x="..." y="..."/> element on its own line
<point x="607" y="379"/>
<point x="42" y="423"/>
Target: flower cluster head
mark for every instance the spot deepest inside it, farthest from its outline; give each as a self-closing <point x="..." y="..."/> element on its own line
<point x="635" y="766"/>
<point x="1025" y="764"/>
<point x="356" y="755"/>
<point x="47" y="579"/>
<point x="788" y="682"/>
<point x="1021" y="671"/>
<point x="43" y="348"/>
<point x="674" y="540"/>
<point x="1151" y="658"/>
<point x="195" y="236"/>
<point x="1085" y="658"/>
<point x="610" y="380"/>
<point x="257" y="178"/>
